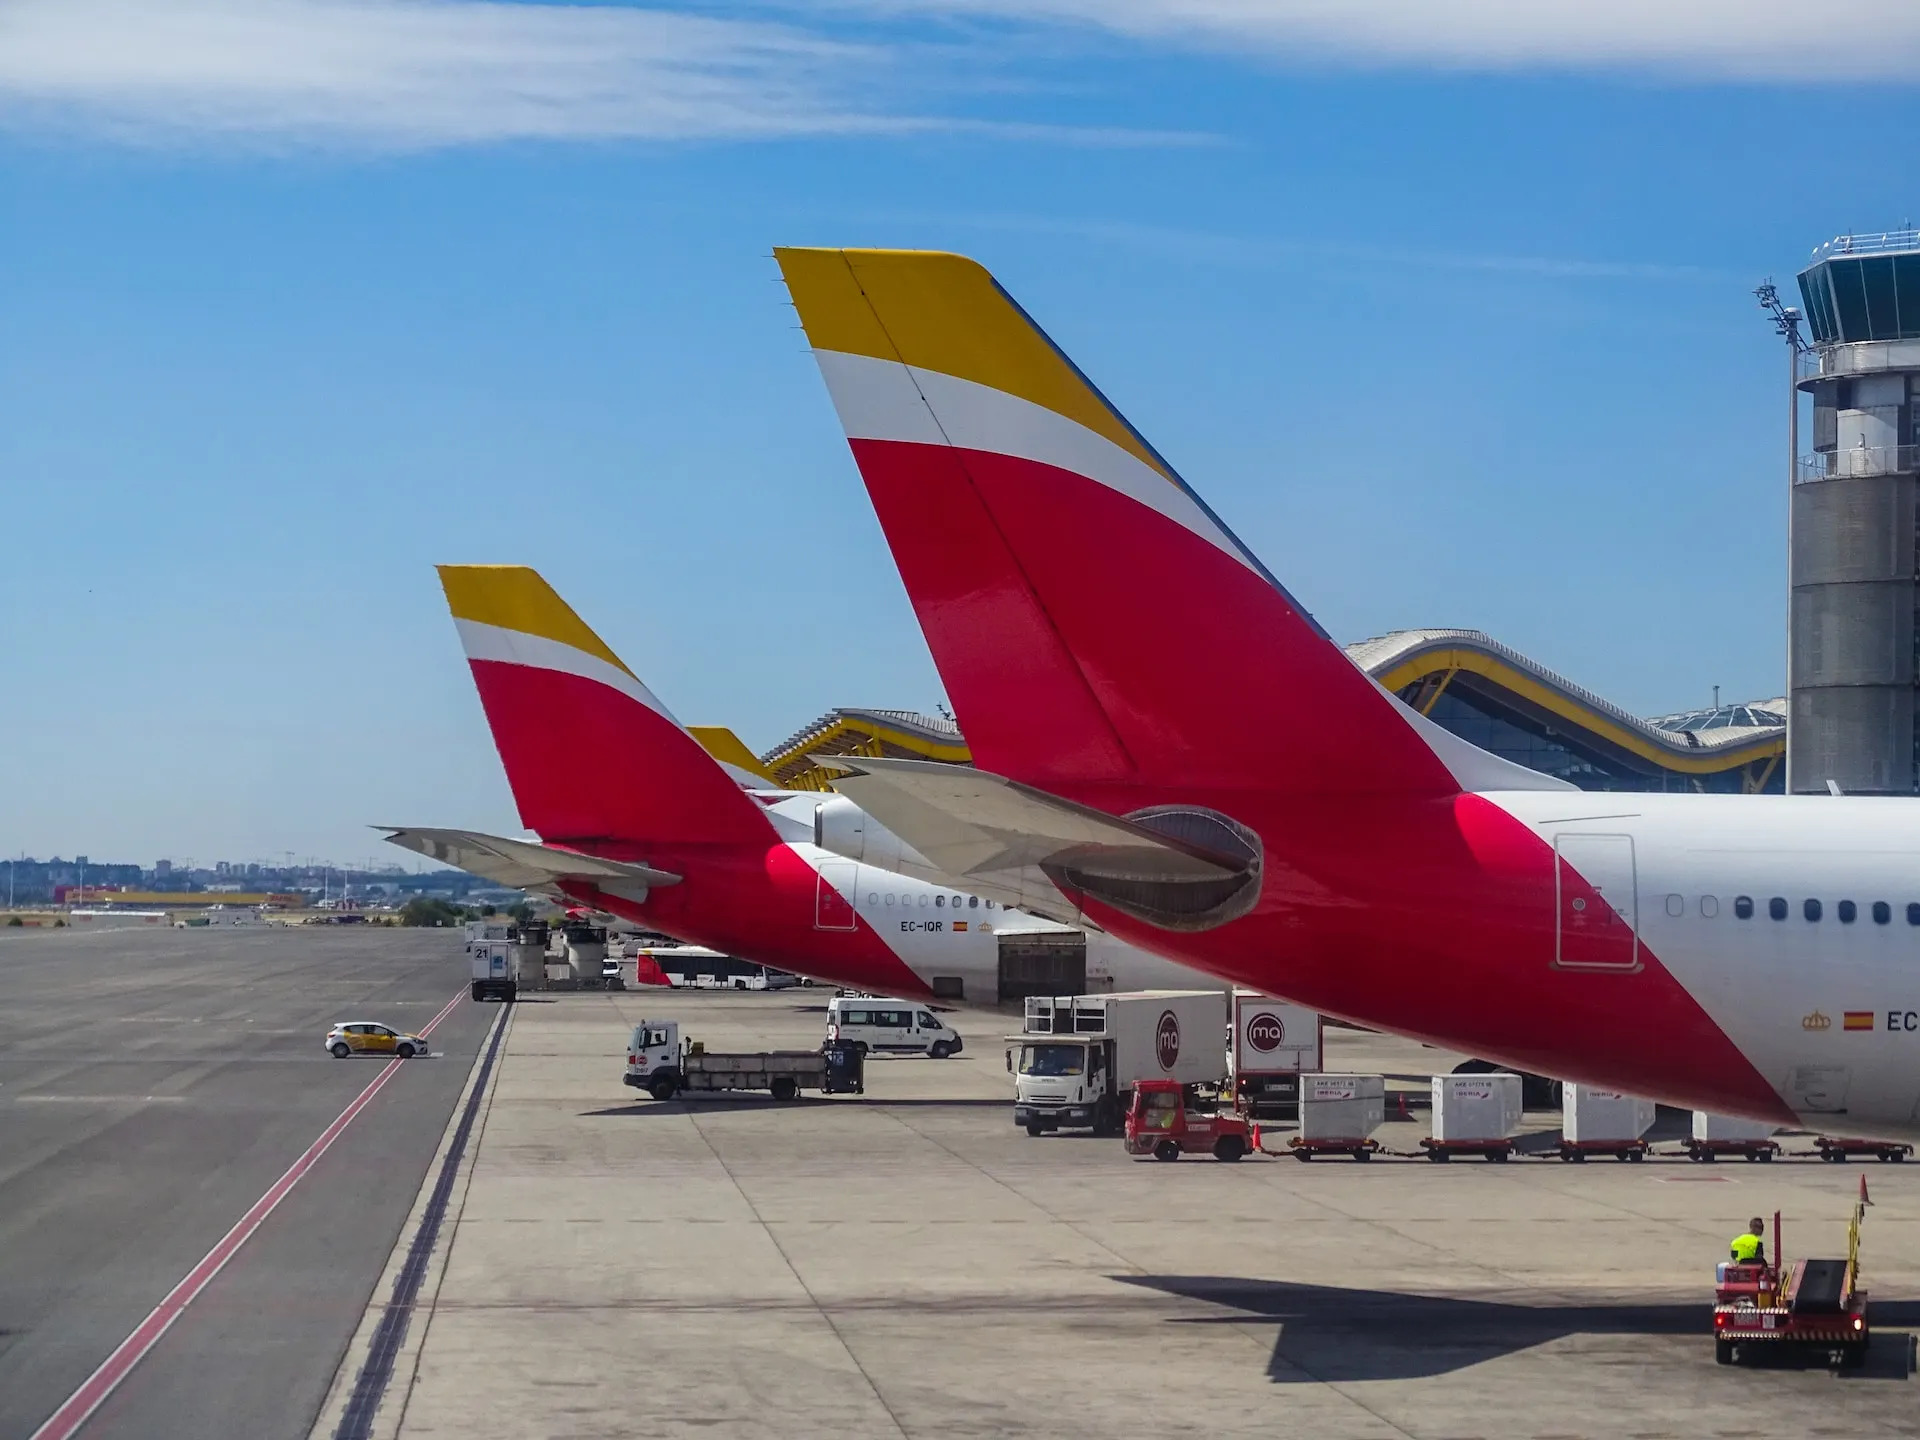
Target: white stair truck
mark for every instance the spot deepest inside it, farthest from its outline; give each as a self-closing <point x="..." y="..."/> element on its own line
<point x="1274" y="1044"/>
<point x="1077" y="1057"/>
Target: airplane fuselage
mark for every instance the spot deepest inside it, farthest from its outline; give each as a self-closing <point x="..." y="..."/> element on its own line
<point x="1745" y="954"/>
<point x="797" y="907"/>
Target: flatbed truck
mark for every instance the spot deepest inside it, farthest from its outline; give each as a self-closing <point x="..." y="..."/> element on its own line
<point x="664" y="1065"/>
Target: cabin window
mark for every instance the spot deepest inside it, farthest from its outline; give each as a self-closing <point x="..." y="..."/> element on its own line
<point x="1913" y="914"/>
<point x="1743" y="906"/>
<point x="941" y="901"/>
<point x="1847" y="911"/>
<point x="889" y="897"/>
<point x="1882" y="912"/>
<point x="973" y="902"/>
<point x="1676" y="904"/>
<point x="1777" y="908"/>
<point x="1810" y="909"/>
<point x="873" y="898"/>
<point x="1709" y="906"/>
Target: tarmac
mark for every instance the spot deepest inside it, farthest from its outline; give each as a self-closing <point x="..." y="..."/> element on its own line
<point x="908" y="1263"/>
<point x="154" y="1083"/>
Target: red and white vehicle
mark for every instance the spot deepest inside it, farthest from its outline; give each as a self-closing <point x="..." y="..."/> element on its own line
<point x="1166" y="736"/>
<point x="639" y="821"/>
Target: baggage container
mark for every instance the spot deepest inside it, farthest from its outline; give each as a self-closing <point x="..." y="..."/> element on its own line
<point x="1709" y="1128"/>
<point x="1592" y="1116"/>
<point x="1341" y="1107"/>
<point x="1475" y="1108"/>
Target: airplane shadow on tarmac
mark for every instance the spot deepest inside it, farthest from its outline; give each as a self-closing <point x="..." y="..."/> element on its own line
<point x="1332" y="1334"/>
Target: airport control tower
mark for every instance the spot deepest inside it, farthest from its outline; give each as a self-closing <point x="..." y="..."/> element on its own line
<point x="1855" y="612"/>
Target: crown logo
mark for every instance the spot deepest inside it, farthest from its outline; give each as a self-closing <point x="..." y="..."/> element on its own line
<point x="1815" y="1021"/>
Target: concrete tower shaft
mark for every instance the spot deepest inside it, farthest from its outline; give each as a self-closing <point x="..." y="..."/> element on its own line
<point x="1855" y="607"/>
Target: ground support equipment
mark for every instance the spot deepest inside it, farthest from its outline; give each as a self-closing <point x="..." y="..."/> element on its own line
<point x="1840" y="1149"/>
<point x="1706" y="1152"/>
<point x="1577" y="1151"/>
<point x="1441" y="1151"/>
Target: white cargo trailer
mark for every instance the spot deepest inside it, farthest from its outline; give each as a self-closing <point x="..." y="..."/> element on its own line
<point x="1597" y="1121"/>
<point x="1338" y="1109"/>
<point x="1475" y="1114"/>
<point x="1077" y="1057"/>
<point x="1728" y="1127"/>
<point x="1273" y="1045"/>
<point x="1717" y="1135"/>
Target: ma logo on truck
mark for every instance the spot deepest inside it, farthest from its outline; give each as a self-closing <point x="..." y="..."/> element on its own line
<point x="1265" y="1032"/>
<point x="1166" y="1039"/>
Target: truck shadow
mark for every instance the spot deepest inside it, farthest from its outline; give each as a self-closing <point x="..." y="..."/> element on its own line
<point x="1333" y="1334"/>
<point x="748" y="1100"/>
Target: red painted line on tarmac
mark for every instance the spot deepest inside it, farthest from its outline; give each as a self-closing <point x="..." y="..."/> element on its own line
<point x="79" y="1407"/>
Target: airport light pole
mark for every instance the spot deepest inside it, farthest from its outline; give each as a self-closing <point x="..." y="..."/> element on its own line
<point x="1786" y="324"/>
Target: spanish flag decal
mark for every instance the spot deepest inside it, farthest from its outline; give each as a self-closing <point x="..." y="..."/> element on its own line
<point x="1858" y="1020"/>
<point x="959" y="927"/>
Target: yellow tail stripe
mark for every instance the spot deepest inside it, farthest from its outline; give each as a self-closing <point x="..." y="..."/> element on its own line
<point x="513" y="597"/>
<point x="936" y="311"/>
<point x="729" y="749"/>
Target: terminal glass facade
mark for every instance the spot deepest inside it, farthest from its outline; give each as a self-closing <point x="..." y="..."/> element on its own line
<point x="1526" y="740"/>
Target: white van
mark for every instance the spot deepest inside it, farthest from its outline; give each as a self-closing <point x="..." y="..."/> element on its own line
<point x="891" y="1027"/>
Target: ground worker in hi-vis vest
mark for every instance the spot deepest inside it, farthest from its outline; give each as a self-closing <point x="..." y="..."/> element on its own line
<point x="1749" y="1248"/>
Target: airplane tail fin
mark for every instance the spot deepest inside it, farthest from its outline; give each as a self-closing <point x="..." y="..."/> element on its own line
<point x="732" y="753"/>
<point x="591" y="753"/>
<point x="1093" y="620"/>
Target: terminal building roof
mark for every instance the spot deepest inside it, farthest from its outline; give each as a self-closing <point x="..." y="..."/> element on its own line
<point x="1484" y="691"/>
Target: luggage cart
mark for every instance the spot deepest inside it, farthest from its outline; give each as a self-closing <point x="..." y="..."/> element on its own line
<point x="1577" y="1151"/>
<point x="1309" y="1149"/>
<point x="1441" y="1151"/>
<point x="1705" y="1152"/>
<point x="1840" y="1149"/>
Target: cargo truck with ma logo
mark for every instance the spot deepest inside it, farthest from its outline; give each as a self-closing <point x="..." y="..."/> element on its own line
<point x="1077" y="1057"/>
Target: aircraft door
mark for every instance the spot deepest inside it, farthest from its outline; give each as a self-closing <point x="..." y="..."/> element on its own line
<point x="832" y="910"/>
<point x="1047" y="963"/>
<point x="1596" y="918"/>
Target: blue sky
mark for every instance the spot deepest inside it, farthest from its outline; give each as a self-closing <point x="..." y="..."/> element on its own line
<point x="1444" y="308"/>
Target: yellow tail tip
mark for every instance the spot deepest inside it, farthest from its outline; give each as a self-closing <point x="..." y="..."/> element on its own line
<point x="518" y="598"/>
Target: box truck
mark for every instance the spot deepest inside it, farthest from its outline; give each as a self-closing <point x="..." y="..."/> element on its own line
<point x="1273" y="1045"/>
<point x="1077" y="1057"/>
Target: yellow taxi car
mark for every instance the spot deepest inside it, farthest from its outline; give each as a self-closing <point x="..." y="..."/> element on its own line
<point x="363" y="1037"/>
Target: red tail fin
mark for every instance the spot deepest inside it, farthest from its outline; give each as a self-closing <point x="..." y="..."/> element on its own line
<point x="1092" y="619"/>
<point x="590" y="753"/>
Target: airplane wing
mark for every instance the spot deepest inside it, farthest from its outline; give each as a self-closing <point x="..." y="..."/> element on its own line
<point x="1018" y="840"/>
<point x="526" y="864"/>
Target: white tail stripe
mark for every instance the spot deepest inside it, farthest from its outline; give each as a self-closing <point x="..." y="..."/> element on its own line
<point x="517" y="647"/>
<point x="886" y="400"/>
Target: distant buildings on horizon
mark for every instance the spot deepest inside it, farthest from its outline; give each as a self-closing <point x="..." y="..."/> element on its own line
<point x="26" y="881"/>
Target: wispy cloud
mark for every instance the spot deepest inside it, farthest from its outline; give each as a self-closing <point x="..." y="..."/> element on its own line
<point x="1234" y="249"/>
<point x="415" y="73"/>
<point x="1771" y="40"/>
